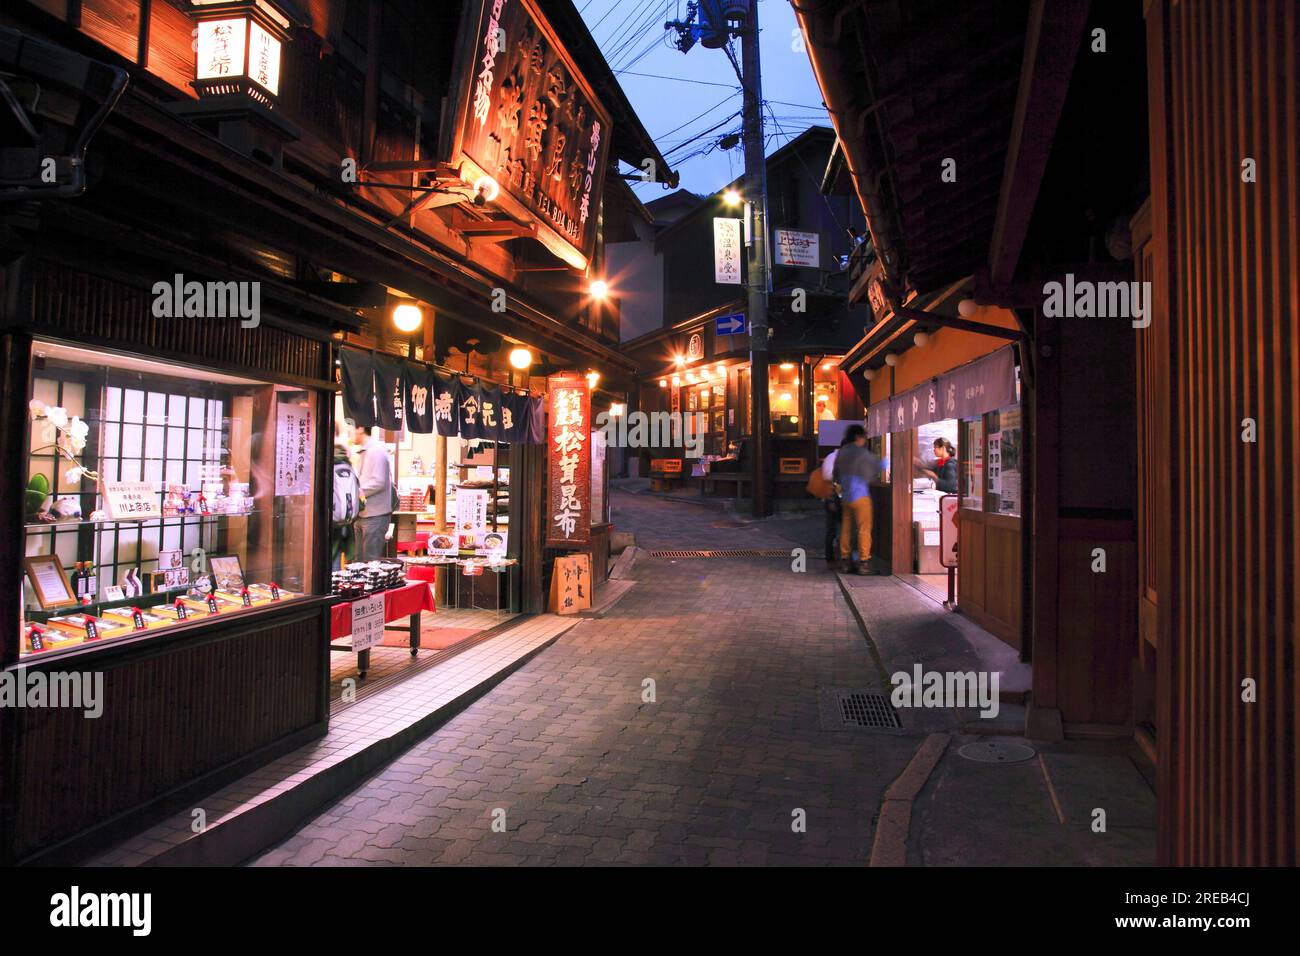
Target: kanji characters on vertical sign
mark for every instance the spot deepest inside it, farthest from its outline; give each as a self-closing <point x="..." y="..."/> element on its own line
<point x="568" y="523"/>
<point x="293" y="438"/>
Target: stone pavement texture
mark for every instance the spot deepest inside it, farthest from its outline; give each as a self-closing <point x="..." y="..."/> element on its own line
<point x="570" y="761"/>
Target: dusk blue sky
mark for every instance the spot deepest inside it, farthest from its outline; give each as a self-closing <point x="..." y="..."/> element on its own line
<point x="654" y="74"/>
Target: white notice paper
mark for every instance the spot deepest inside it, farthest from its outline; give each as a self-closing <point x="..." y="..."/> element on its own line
<point x="367" y="622"/>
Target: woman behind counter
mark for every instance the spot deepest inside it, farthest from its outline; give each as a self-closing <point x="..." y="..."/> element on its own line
<point x="944" y="471"/>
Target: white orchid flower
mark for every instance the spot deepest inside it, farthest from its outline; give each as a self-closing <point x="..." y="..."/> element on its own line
<point x="37" y="406"/>
<point x="58" y="416"/>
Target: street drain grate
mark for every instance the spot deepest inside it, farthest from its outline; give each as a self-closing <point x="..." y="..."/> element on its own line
<point x="734" y="553"/>
<point x="857" y="710"/>
<point x="996" y="751"/>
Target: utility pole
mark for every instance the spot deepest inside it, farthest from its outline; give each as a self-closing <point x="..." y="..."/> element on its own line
<point x="719" y="21"/>
<point x="757" y="271"/>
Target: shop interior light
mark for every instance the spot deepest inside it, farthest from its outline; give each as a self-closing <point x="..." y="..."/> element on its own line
<point x="616" y="409"/>
<point x="599" y="289"/>
<point x="592" y="378"/>
<point x="786" y="366"/>
<point x="690" y="377"/>
<point x="722" y="369"/>
<point x="677" y="380"/>
<point x="680" y="360"/>
<point x="827" y="366"/>
<point x="794" y="419"/>
<point x="407" y="317"/>
<point x="663" y="383"/>
<point x="785" y="396"/>
<point x="521" y="358"/>
<point x="732" y="197"/>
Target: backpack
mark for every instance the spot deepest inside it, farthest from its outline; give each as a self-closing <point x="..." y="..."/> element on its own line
<point x="347" y="494"/>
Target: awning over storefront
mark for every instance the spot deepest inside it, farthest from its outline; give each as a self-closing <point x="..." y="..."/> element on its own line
<point x="986" y="384"/>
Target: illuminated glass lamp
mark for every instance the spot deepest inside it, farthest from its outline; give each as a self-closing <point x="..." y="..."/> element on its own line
<point x="239" y="47"/>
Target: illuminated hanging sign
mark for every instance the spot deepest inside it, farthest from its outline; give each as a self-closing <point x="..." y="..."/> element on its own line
<point x="726" y="251"/>
<point x="238" y="47"/>
<point x="568" y="520"/>
<point x="530" y="124"/>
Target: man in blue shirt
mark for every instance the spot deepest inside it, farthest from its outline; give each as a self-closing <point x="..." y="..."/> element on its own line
<point x="856" y="470"/>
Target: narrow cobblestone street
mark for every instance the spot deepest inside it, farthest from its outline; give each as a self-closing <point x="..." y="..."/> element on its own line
<point x="586" y="772"/>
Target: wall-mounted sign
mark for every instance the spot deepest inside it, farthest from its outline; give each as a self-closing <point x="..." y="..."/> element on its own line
<point x="694" y="347"/>
<point x="794" y="248"/>
<point x="726" y="251"/>
<point x="532" y="124"/>
<point x="568" y="445"/>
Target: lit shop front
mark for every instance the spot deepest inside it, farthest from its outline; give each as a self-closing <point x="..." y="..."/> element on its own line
<point x="955" y="455"/>
<point x="706" y="379"/>
<point x="168" y="537"/>
<point x="461" y="469"/>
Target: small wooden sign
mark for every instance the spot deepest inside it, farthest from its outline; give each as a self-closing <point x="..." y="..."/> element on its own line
<point x="666" y="466"/>
<point x="571" y="584"/>
<point x="125" y="500"/>
<point x="792" y="466"/>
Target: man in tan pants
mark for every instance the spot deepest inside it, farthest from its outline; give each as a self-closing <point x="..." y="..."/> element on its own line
<point x="856" y="469"/>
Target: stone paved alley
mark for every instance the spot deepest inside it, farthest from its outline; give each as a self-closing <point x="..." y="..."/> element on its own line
<point x="717" y="768"/>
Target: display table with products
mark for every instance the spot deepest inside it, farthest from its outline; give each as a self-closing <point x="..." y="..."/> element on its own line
<point x="408" y="601"/>
<point x="447" y="573"/>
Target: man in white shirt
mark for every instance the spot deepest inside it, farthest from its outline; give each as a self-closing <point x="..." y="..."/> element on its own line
<point x="376" y="480"/>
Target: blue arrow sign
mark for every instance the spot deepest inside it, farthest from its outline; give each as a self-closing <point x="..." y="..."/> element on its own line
<point x="730" y="324"/>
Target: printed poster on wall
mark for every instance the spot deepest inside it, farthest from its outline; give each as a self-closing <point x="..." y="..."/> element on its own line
<point x="471" y="509"/>
<point x="568" y="460"/>
<point x="292" y="449"/>
<point x="726" y="251"/>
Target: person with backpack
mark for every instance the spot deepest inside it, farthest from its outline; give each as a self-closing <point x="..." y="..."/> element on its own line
<point x="347" y="504"/>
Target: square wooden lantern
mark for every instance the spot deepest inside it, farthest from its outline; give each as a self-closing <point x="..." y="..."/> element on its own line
<point x="238" y="47"/>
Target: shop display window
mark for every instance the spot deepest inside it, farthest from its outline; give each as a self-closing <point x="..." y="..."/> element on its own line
<point x="783" y="396"/>
<point x="826" y="392"/>
<point x="159" y="496"/>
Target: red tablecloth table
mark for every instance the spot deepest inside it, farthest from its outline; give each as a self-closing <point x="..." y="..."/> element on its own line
<point x="407" y="601"/>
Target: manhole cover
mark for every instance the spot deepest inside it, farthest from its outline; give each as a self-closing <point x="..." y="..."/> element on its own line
<point x="996" y="751"/>
<point x="857" y="710"/>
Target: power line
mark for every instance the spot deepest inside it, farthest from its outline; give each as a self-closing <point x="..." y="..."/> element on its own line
<point x="681" y="79"/>
<point x="701" y="116"/>
<point x="612" y="7"/>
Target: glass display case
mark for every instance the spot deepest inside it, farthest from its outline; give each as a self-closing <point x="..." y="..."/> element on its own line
<point x="160" y="496"/>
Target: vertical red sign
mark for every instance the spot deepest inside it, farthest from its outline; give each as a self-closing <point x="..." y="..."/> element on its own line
<point x="568" y="518"/>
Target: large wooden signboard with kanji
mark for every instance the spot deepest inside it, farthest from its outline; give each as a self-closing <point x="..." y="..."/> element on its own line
<point x="526" y="118"/>
<point x="568" y="462"/>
